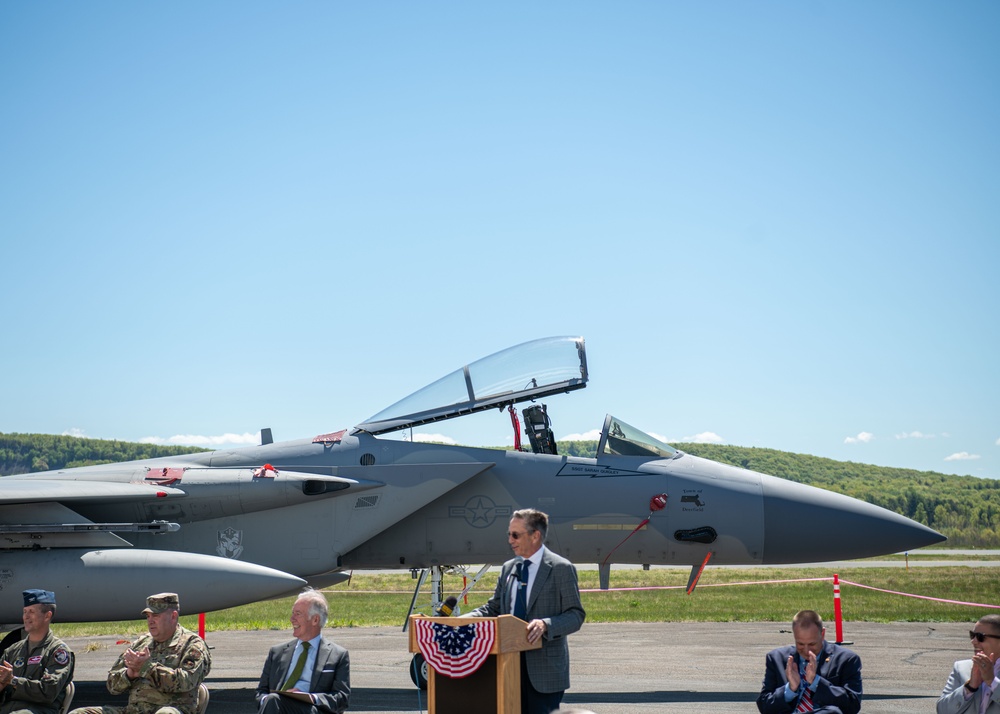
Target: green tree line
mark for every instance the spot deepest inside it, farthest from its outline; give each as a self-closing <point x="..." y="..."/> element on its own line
<point x="29" y="453"/>
<point x="964" y="508"/>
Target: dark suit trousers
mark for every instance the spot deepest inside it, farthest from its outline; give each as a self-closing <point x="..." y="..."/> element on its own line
<point x="278" y="704"/>
<point x="533" y="701"/>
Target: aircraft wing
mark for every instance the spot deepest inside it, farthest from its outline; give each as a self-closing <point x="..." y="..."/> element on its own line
<point x="34" y="512"/>
<point x="41" y="512"/>
<point x="14" y="490"/>
<point x="411" y="487"/>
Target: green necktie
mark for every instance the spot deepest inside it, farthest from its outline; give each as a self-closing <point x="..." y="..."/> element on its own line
<point x="297" y="669"/>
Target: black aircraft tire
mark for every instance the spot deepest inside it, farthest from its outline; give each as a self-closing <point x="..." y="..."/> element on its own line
<point x="418" y="671"/>
<point x="12" y="637"/>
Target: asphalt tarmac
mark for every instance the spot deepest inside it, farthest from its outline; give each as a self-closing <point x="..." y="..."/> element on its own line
<point x="616" y="669"/>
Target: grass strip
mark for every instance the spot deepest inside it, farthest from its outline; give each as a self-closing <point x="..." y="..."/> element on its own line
<point x="376" y="599"/>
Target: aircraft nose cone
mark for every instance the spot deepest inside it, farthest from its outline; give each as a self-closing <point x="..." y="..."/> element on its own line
<point x="810" y="525"/>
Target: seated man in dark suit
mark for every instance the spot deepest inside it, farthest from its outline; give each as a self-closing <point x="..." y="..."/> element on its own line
<point x="812" y="675"/>
<point x="309" y="675"/>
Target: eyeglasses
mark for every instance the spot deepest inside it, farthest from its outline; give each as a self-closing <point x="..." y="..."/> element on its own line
<point x="981" y="636"/>
<point x="514" y="535"/>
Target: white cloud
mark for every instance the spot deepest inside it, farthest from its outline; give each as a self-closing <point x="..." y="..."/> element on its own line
<point x="998" y="442"/>
<point x="437" y="438"/>
<point x="181" y="439"/>
<point x="962" y="456"/>
<point x="592" y="435"/>
<point x="705" y="437"/>
<point x="245" y="439"/>
<point x="862" y="438"/>
<point x="914" y="435"/>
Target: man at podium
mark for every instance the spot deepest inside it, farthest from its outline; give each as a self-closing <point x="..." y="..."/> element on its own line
<point x="541" y="588"/>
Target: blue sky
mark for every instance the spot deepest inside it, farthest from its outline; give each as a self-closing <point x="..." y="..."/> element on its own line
<point x="775" y="223"/>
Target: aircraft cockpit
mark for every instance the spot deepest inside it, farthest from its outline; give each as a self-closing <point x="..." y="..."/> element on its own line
<point x="621" y="439"/>
<point x="527" y="372"/>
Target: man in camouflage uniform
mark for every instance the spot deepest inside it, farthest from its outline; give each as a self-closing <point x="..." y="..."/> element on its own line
<point x="35" y="671"/>
<point x="161" y="671"/>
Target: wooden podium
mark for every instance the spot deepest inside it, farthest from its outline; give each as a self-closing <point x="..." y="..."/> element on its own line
<point x="497" y="680"/>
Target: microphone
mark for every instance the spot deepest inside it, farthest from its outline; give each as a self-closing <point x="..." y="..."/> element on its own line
<point x="447" y="607"/>
<point x="515" y="572"/>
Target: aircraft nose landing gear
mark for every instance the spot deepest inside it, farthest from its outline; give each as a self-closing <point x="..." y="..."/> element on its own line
<point x="418" y="671"/>
<point x="418" y="666"/>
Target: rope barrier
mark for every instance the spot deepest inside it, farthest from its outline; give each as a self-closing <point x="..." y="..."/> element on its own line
<point x="922" y="597"/>
<point x="707" y="585"/>
<point x="794" y="580"/>
<point x="837" y="582"/>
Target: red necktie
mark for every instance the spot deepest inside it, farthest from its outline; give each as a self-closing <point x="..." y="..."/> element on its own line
<point x="806" y="703"/>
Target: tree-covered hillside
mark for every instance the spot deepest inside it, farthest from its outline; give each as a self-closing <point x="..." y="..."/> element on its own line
<point x="27" y="453"/>
<point x="964" y="508"/>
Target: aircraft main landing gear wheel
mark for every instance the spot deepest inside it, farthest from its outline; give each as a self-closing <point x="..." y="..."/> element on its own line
<point x="418" y="671"/>
<point x="12" y="637"/>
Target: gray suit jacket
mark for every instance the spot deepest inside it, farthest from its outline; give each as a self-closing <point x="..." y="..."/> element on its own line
<point x="331" y="679"/>
<point x="554" y="598"/>
<point x="953" y="699"/>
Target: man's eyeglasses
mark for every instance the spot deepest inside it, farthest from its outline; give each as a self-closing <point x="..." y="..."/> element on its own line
<point x="514" y="535"/>
<point x="981" y="636"/>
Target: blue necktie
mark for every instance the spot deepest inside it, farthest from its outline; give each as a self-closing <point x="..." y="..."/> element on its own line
<point x="521" y="597"/>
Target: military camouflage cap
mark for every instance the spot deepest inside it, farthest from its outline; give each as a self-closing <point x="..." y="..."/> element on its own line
<point x="161" y="602"/>
<point x="38" y="597"/>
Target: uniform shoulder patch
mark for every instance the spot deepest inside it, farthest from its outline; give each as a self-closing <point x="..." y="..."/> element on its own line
<point x="61" y="656"/>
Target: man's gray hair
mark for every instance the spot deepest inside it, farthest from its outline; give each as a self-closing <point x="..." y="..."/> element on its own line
<point x="317" y="604"/>
<point x="534" y="519"/>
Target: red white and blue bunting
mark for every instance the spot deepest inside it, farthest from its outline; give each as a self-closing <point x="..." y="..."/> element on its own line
<point x="455" y="651"/>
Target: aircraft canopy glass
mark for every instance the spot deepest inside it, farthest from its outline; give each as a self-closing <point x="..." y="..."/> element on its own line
<point x="528" y="371"/>
<point x="620" y="438"/>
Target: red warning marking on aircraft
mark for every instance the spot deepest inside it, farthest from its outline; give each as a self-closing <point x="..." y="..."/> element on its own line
<point x="165" y="476"/>
<point x="265" y="471"/>
<point x="332" y="438"/>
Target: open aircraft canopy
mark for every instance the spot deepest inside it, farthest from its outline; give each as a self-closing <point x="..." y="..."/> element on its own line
<point x="528" y="371"/>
